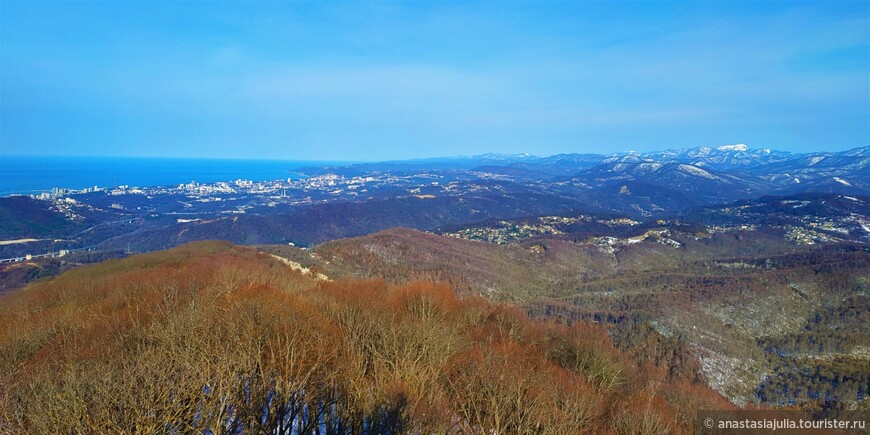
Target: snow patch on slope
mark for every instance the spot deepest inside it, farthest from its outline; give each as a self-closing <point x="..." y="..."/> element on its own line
<point x="816" y="159"/>
<point x="698" y="172"/>
<point x="735" y="147"/>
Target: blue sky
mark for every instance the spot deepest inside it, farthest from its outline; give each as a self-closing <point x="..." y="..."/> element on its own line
<point x="378" y="80"/>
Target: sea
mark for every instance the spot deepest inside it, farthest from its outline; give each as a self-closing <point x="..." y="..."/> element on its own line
<point x="24" y="175"/>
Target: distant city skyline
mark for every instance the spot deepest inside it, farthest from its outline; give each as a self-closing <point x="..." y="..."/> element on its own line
<point x="381" y="81"/>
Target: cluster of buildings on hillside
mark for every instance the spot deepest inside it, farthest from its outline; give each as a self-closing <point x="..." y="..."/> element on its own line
<point x="331" y="183"/>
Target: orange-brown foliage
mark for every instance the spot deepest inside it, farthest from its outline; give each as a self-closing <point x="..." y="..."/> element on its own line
<point x="213" y="337"/>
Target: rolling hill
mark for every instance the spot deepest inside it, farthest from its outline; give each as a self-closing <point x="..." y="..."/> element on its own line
<point x="212" y="337"/>
<point x="723" y="298"/>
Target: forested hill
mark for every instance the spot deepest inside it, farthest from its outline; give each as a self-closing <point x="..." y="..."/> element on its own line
<point x="769" y="320"/>
<point x="213" y="337"/>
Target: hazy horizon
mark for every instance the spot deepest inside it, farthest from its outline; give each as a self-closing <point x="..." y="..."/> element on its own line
<point x="423" y="157"/>
<point x="396" y="81"/>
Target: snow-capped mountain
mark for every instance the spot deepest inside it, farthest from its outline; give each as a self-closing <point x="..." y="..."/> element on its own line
<point x="722" y="157"/>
